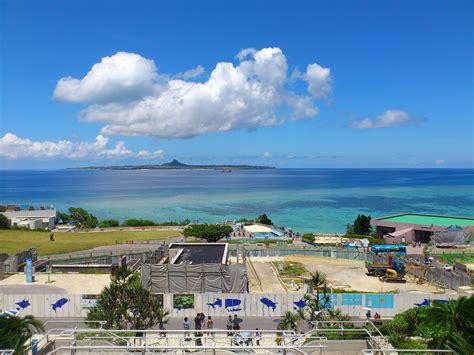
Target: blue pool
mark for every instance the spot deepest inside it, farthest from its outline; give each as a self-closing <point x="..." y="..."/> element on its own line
<point x="273" y="234"/>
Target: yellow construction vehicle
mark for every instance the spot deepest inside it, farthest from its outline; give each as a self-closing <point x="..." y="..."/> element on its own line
<point x="398" y="273"/>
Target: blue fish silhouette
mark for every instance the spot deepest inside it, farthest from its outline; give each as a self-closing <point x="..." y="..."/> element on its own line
<point x="440" y="301"/>
<point x="232" y="303"/>
<point x="299" y="304"/>
<point x="59" y="303"/>
<point x="269" y="303"/>
<point x="426" y="302"/>
<point x="23" y="304"/>
<point x="10" y="313"/>
<point x="217" y="303"/>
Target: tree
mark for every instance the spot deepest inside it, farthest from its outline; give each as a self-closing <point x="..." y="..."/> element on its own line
<point x="4" y="223"/>
<point x="83" y="218"/>
<point x="64" y="217"/>
<point x="210" y="232"/>
<point x="263" y="219"/>
<point x="16" y="331"/>
<point x="443" y="325"/>
<point x="107" y="223"/>
<point x="455" y="318"/>
<point x="360" y="226"/>
<point x="289" y="321"/>
<point x="315" y="304"/>
<point x="125" y="304"/>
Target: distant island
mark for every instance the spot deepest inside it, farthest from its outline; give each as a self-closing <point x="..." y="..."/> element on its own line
<point x="174" y="164"/>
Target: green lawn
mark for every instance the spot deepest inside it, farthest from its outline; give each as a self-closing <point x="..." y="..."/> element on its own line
<point x="14" y="241"/>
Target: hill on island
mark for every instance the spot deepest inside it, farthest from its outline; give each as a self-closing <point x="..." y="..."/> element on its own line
<point x="174" y="164"/>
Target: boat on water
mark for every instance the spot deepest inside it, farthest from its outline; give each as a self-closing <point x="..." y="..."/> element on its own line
<point x="226" y="170"/>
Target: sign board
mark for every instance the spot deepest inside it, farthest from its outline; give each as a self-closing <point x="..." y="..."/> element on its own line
<point x="29" y="271"/>
<point x="89" y="301"/>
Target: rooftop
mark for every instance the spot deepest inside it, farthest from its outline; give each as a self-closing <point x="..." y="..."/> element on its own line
<point x="426" y="219"/>
<point x="200" y="253"/>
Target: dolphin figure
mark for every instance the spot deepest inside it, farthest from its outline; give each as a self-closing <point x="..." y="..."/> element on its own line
<point x="269" y="303"/>
<point x="23" y="304"/>
<point x="216" y="303"/>
<point x="59" y="303"/>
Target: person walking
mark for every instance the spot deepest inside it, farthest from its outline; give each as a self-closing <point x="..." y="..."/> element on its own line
<point x="235" y="322"/>
<point x="202" y="319"/>
<point x="210" y="325"/>
<point x="229" y="325"/>
<point x="197" y="322"/>
<point x="258" y="336"/>
<point x="186" y="327"/>
<point x="161" y="326"/>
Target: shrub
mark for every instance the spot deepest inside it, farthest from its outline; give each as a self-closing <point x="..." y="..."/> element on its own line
<point x="138" y="223"/>
<point x="107" y="223"/>
<point x="308" y="238"/>
<point x="4" y="224"/>
<point x="209" y="232"/>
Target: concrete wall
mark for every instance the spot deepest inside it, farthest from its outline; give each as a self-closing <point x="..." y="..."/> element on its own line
<point x="261" y="305"/>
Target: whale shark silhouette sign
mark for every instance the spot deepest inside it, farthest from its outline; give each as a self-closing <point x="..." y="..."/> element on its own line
<point x="269" y="303"/>
<point x="59" y="303"/>
<point x="230" y="304"/>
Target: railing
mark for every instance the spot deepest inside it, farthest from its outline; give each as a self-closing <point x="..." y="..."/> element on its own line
<point x="404" y="351"/>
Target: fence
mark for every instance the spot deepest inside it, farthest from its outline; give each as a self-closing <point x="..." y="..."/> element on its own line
<point x="327" y="253"/>
<point x="221" y="305"/>
<point x="447" y="279"/>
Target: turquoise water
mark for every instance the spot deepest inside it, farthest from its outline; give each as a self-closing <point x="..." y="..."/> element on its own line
<point x="322" y="200"/>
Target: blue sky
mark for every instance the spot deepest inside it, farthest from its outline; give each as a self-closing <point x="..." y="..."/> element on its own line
<point x="392" y="83"/>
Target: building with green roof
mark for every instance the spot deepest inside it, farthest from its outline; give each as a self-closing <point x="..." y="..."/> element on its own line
<point x="408" y="227"/>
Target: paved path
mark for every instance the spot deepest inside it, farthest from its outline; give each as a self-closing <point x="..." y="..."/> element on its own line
<point x="269" y="280"/>
<point x="30" y="289"/>
<point x="61" y="283"/>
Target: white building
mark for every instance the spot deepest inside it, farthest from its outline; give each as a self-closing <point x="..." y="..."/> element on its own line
<point x="31" y="218"/>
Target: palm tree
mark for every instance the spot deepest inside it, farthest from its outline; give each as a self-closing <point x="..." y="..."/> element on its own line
<point x="455" y="319"/>
<point x="16" y="331"/>
<point x="456" y="316"/>
<point x="289" y="321"/>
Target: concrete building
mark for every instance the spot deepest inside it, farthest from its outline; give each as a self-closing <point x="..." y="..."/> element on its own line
<point x="408" y="227"/>
<point x="31" y="217"/>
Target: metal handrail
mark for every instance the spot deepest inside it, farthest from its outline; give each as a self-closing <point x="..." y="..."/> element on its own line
<point x="401" y="351"/>
<point x="187" y="347"/>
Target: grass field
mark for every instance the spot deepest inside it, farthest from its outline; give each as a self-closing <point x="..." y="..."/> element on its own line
<point x="14" y="241"/>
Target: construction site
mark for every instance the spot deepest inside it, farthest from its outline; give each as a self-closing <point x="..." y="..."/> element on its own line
<point x="259" y="283"/>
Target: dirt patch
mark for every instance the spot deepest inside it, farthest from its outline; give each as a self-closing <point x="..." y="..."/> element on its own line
<point x="350" y="275"/>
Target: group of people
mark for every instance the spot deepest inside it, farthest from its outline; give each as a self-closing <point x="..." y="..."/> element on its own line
<point x="233" y="326"/>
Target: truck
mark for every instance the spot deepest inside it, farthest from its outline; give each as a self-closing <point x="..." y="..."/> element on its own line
<point x="380" y="269"/>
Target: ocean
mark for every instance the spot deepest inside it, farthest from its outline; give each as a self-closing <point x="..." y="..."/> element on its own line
<point x="322" y="200"/>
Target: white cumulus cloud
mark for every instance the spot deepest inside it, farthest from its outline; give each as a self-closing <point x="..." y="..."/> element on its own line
<point x="319" y="80"/>
<point x="440" y="162"/>
<point x="13" y="147"/>
<point x="267" y="155"/>
<point x="126" y="94"/>
<point x="387" y="119"/>
<point x="121" y="76"/>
